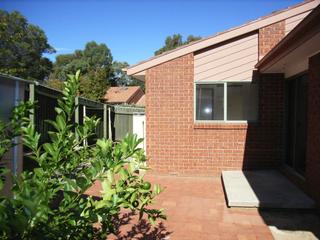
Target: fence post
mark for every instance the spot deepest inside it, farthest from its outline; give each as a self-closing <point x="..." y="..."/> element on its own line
<point x="76" y="114"/>
<point x="84" y="114"/>
<point x="109" y="123"/>
<point x="105" y="116"/>
<point x="31" y="99"/>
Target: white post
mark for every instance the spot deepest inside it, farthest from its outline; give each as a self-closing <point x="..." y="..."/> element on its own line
<point x="31" y="99"/>
<point x="109" y="123"/>
<point x="76" y="115"/>
<point x="105" y="116"/>
<point x="16" y="139"/>
<point x="84" y="114"/>
<point x="225" y="101"/>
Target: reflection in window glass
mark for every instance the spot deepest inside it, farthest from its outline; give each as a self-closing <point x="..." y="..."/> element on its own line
<point x="209" y="102"/>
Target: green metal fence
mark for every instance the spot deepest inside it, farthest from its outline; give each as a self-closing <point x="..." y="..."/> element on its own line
<point x="115" y="120"/>
<point x="123" y="120"/>
<point x="46" y="100"/>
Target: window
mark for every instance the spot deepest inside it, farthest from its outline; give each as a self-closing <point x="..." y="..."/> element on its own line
<point x="210" y="102"/>
<point x="228" y="101"/>
<point x="242" y="101"/>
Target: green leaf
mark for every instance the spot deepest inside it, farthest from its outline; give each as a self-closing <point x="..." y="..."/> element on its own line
<point x="77" y="74"/>
<point x="61" y="123"/>
<point x="101" y="204"/>
<point x="49" y="148"/>
<point x="157" y="189"/>
<point x="123" y="173"/>
<point x="133" y="197"/>
<point x="110" y="176"/>
<point x="151" y="220"/>
<point x="58" y="110"/>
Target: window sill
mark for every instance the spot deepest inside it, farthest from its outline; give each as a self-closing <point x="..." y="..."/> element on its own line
<point x="220" y="125"/>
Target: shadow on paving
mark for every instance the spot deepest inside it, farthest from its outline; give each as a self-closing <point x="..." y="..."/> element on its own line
<point x="284" y="223"/>
<point x="280" y="139"/>
<point x="303" y="224"/>
<point x="142" y="230"/>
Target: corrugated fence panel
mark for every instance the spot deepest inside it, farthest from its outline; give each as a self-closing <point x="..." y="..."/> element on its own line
<point x="46" y="101"/>
<point x="90" y="112"/>
<point x="122" y="125"/>
<point x="232" y="61"/>
<point x="123" y="120"/>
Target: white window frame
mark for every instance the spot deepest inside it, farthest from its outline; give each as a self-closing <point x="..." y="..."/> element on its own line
<point x="225" y="99"/>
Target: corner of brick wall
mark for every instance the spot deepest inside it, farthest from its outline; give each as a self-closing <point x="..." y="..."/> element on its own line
<point x="269" y="36"/>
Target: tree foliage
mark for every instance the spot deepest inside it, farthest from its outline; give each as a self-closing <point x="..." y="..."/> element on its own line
<point x="55" y="83"/>
<point x="95" y="63"/>
<point x="49" y="202"/>
<point x="22" y="46"/>
<point x="120" y="77"/>
<point x="175" y="41"/>
<point x="94" y="84"/>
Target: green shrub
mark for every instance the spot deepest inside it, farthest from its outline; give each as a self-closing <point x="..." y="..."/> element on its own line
<point x="49" y="202"/>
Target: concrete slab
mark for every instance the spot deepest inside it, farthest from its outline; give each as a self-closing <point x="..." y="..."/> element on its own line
<point x="263" y="189"/>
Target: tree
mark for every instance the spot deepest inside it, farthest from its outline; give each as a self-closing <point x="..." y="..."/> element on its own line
<point x="50" y="201"/>
<point x="94" y="84"/>
<point x="95" y="63"/>
<point x="120" y="77"/>
<point x="175" y="41"/>
<point x="55" y="83"/>
<point x="22" y="46"/>
<point x="136" y="82"/>
<point x="192" y="38"/>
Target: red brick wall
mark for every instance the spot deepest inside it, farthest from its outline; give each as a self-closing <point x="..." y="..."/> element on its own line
<point x="313" y="141"/>
<point x="175" y="144"/>
<point x="269" y="36"/>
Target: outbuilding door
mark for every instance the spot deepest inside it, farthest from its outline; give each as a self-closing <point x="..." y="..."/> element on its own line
<point x="296" y="134"/>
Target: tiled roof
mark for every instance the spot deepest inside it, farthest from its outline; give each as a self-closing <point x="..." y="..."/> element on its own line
<point x="121" y="94"/>
<point x="141" y="101"/>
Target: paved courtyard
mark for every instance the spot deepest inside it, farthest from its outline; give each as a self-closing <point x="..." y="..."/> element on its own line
<point x="196" y="209"/>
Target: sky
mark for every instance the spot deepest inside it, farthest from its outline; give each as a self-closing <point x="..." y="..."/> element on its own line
<point x="134" y="29"/>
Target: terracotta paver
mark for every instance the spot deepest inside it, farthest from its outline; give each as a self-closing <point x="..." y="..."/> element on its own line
<point x="196" y="209"/>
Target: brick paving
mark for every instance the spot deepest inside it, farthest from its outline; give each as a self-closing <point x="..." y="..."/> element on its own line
<point x="196" y="209"/>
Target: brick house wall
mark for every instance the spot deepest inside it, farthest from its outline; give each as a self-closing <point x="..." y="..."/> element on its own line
<point x="269" y="36"/>
<point x="175" y="144"/>
<point x="313" y="139"/>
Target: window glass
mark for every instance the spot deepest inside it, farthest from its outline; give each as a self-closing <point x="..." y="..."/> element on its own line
<point x="209" y="102"/>
<point x="242" y="101"/>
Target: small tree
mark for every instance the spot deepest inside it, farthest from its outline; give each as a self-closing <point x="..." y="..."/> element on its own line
<point x="49" y="202"/>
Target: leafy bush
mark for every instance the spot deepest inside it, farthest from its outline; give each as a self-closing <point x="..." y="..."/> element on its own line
<point x="50" y="201"/>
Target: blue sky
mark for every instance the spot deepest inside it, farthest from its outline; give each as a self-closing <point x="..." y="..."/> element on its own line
<point x="134" y="29"/>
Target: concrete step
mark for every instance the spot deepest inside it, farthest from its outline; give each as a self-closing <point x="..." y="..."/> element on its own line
<point x="263" y="189"/>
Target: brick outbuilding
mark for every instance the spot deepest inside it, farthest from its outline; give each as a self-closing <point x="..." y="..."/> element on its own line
<point x="209" y="108"/>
